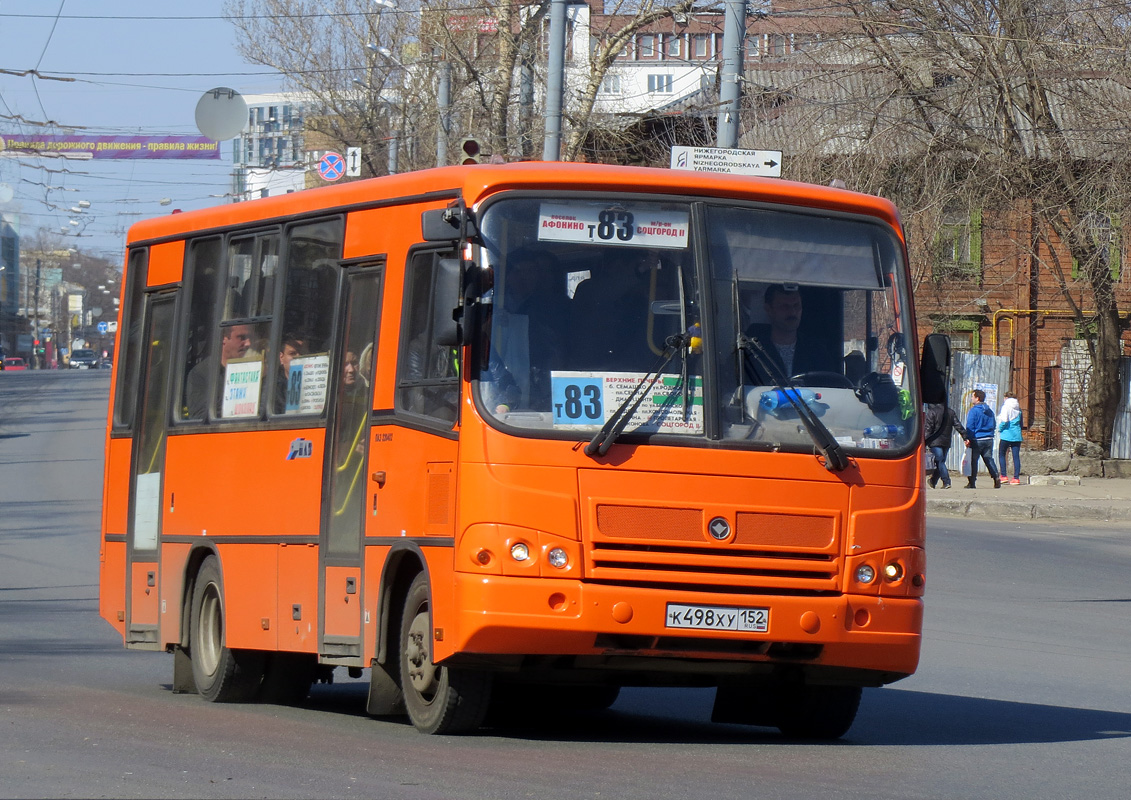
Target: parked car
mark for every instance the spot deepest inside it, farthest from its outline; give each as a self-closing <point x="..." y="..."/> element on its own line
<point x="84" y="359"/>
<point x="13" y="363"/>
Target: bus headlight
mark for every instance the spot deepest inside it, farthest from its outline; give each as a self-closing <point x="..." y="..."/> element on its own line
<point x="557" y="557"/>
<point x="519" y="551"/>
<point x="865" y="574"/>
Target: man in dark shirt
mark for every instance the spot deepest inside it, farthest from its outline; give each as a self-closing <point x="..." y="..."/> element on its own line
<point x="793" y="354"/>
<point x="235" y="341"/>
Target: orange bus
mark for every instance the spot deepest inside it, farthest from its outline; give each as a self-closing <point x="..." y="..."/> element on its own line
<point x="519" y="436"/>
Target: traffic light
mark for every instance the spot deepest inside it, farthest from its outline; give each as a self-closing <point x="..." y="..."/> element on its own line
<point x="470" y="151"/>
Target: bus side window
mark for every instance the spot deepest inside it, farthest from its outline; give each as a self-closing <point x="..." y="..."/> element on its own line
<point x="307" y="330"/>
<point x="201" y="339"/>
<point x="428" y="374"/>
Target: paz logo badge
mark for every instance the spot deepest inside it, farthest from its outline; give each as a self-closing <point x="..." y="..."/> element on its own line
<point x="300" y="448"/>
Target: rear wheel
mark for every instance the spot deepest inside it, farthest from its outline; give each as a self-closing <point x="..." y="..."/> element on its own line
<point x="438" y="699"/>
<point x="221" y="675"/>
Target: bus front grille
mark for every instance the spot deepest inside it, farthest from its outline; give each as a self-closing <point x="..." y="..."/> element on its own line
<point x="672" y="546"/>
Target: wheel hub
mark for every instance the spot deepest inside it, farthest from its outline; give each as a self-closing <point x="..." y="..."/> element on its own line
<point x="421" y="670"/>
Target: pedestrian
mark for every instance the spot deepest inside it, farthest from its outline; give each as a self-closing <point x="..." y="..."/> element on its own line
<point x="1009" y="436"/>
<point x="941" y="420"/>
<point x="980" y="426"/>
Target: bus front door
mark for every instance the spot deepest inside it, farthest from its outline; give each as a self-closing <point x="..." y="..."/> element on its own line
<point x="147" y="471"/>
<point x="344" y="491"/>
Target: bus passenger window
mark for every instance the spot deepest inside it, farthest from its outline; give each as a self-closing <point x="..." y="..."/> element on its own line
<point x="252" y="265"/>
<point x="204" y="277"/>
<point x="428" y="382"/>
<point x="300" y="358"/>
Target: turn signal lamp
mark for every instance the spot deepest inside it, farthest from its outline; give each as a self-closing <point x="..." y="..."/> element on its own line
<point x="893" y="571"/>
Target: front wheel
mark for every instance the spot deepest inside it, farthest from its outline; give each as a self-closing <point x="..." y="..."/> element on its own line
<point x="221" y="675"/>
<point x="438" y="699"/>
<point x="819" y="712"/>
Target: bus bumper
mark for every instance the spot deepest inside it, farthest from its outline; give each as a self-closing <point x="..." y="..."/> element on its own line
<point x="508" y="616"/>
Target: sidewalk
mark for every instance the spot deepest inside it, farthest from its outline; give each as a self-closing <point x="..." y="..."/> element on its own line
<point x="1046" y="498"/>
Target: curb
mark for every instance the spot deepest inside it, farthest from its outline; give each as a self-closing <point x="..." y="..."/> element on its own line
<point x="1039" y="512"/>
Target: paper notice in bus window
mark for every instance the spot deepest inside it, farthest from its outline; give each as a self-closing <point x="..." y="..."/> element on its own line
<point x="583" y="401"/>
<point x="307" y="384"/>
<point x="613" y="224"/>
<point x="242" y="379"/>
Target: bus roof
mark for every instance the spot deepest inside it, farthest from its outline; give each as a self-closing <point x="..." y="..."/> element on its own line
<point x="475" y="182"/>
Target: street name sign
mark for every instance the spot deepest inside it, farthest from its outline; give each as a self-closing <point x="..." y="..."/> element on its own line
<point x="762" y="163"/>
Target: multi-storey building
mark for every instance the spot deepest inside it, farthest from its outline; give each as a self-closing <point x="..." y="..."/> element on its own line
<point x="268" y="155"/>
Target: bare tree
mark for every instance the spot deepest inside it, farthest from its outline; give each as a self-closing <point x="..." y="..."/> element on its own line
<point x="344" y="59"/>
<point x="1007" y="105"/>
<point x="611" y="36"/>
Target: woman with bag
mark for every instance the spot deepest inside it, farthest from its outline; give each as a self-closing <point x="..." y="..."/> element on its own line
<point x="1009" y="436"/>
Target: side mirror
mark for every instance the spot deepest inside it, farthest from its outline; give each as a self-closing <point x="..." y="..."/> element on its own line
<point x="934" y="368"/>
<point x="449" y="224"/>
<point x="445" y="303"/>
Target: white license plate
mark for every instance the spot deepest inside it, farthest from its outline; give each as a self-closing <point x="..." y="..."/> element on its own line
<point x="718" y="618"/>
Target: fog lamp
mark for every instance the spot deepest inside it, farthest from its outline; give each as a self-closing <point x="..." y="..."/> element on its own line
<point x="557" y="557"/>
<point x="520" y="552"/>
<point x="865" y="573"/>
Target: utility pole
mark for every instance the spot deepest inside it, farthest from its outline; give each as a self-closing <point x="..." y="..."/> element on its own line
<point x="444" y="104"/>
<point x="552" y="149"/>
<point x="35" y="331"/>
<point x="734" y="35"/>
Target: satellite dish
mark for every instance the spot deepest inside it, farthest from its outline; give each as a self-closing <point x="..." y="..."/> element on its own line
<point x="5" y="193"/>
<point x="221" y="114"/>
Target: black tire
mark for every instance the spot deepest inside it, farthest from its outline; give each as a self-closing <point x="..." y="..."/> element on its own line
<point x="438" y="699"/>
<point x="819" y="712"/>
<point x="221" y="675"/>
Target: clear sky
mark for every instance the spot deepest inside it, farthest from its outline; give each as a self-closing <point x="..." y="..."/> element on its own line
<point x="139" y="68"/>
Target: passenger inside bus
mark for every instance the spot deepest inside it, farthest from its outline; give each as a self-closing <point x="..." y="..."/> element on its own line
<point x="294" y="344"/>
<point x="235" y="342"/>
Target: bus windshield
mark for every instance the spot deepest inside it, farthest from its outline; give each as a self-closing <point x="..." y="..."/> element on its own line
<point x="759" y="327"/>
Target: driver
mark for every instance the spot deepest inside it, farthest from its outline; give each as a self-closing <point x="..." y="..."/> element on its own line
<point x="792" y="353"/>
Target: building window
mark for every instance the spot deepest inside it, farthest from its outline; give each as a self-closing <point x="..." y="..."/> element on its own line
<point x="610" y="84"/>
<point x="646" y="46"/>
<point x="777" y="45"/>
<point x="673" y="46"/>
<point x="958" y="246"/>
<point x="660" y="83"/>
<point x="1106" y="234"/>
<point x="701" y="42"/>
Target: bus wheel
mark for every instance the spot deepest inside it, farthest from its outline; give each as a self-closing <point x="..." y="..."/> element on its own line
<point x="819" y="712"/>
<point x="221" y="675"/>
<point x="438" y="699"/>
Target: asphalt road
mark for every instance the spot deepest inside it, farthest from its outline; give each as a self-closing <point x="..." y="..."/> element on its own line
<point x="1024" y="689"/>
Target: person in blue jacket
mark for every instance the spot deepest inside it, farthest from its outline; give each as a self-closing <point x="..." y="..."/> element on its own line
<point x="1009" y="436"/>
<point x="980" y="426"/>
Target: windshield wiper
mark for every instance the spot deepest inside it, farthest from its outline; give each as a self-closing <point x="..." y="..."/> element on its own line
<point x="599" y="445"/>
<point x="835" y="459"/>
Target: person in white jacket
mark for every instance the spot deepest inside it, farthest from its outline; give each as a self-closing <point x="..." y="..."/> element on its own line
<point x="1009" y="437"/>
